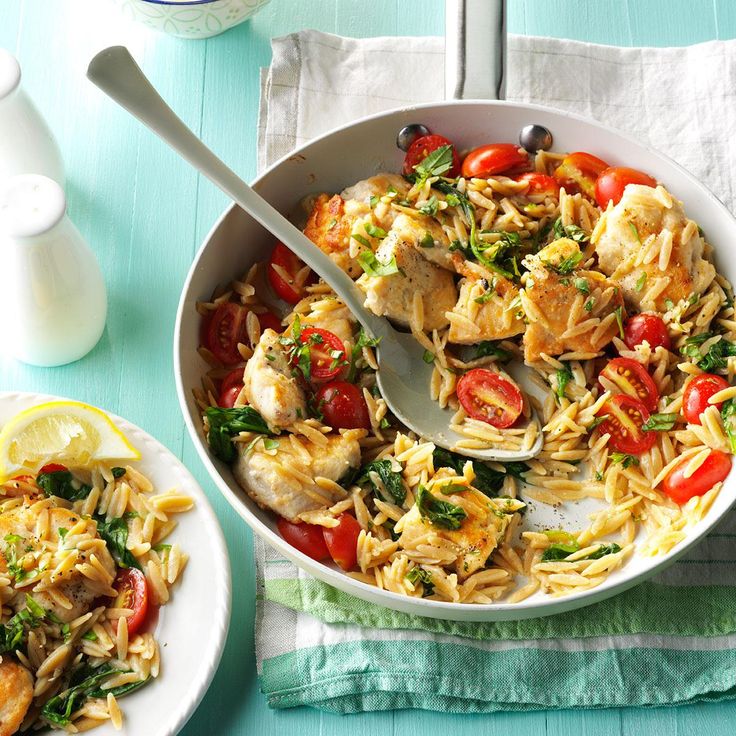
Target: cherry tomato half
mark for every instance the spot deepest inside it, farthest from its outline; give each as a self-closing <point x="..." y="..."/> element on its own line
<point x="307" y="538"/>
<point x="610" y="184"/>
<point x="632" y="379"/>
<point x="539" y="183"/>
<point x="625" y="416"/>
<point x="343" y="406"/>
<point x="578" y="172"/>
<point x="681" y="489"/>
<point x="132" y="591"/>
<point x="231" y="385"/>
<point x="697" y="392"/>
<point x="423" y="146"/>
<point x="225" y="329"/>
<point x="489" y="397"/>
<point x="647" y="327"/>
<point x="326" y="353"/>
<point x="52" y="468"/>
<point x="495" y="158"/>
<point x="283" y="278"/>
<point x="342" y="541"/>
<point x="269" y="321"/>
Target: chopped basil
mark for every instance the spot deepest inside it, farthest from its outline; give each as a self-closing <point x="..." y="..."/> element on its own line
<point x="566" y="265"/>
<point x="363" y="241"/>
<point x="118" y="472"/>
<point x="564" y="376"/>
<point x="363" y="341"/>
<point x="384" y="423"/>
<point x="449" y="488"/>
<point x="227" y="423"/>
<point x="373" y="267"/>
<point x="427" y="241"/>
<point x="62" y="483"/>
<point x="373" y="201"/>
<point x="90" y="636"/>
<point x="430" y="207"/>
<point x="669" y="304"/>
<point x="660" y="422"/>
<point x="728" y="414"/>
<point x="13" y="560"/>
<point x="490" y="347"/>
<point x="573" y="232"/>
<point x="436" y="163"/>
<point x="624" y="459"/>
<point x="13" y="633"/>
<point x="582" y="285"/>
<point x="635" y="231"/>
<point x="443" y="514"/>
<point x="588" y="306"/>
<point x="63" y="532"/>
<point x="641" y="281"/>
<point x="270" y="443"/>
<point x="419" y="575"/>
<point x="715" y="358"/>
<point x="428" y="356"/>
<point x="391" y="480"/>
<point x="619" y="320"/>
<point x="115" y="534"/>
<point x="374" y="231"/>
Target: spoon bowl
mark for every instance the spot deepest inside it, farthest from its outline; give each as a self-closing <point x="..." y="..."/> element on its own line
<point x="403" y="376"/>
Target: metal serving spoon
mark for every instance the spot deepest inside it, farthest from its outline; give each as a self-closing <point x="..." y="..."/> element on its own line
<point x="403" y="376"/>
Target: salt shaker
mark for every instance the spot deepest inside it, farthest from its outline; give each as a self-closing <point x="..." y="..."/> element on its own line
<point x="54" y="300"/>
<point x="26" y="143"/>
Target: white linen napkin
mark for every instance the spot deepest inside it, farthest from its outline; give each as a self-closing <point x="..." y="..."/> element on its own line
<point x="679" y="100"/>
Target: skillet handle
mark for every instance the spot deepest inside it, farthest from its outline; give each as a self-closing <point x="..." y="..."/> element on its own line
<point x="475" y="49"/>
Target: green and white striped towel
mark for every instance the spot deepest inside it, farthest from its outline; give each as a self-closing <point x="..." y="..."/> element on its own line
<point x="671" y="640"/>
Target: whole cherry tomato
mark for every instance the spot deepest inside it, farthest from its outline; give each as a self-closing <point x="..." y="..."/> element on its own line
<point x="695" y="397"/>
<point x="610" y="184"/>
<point x="343" y="406"/>
<point x="307" y="538"/>
<point x="283" y="268"/>
<point x="342" y="541"/>
<point x="495" y="158"/>
<point x="714" y="470"/>
<point x="649" y="327"/>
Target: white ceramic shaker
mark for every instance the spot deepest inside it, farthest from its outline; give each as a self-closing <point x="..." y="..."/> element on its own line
<point x="54" y="302"/>
<point x="26" y="143"/>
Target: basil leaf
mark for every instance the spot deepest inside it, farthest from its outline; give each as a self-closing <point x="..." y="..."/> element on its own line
<point x="564" y="376"/>
<point x="62" y="483"/>
<point x="603" y="550"/>
<point x="436" y="163"/>
<point x="566" y="265"/>
<point x="419" y="575"/>
<point x="660" y="422"/>
<point x="443" y="514"/>
<point x="392" y="481"/>
<point x="430" y="207"/>
<point x="373" y="267"/>
<point x="728" y="414"/>
<point x="115" y="535"/>
<point x="573" y="232"/>
<point x="582" y="285"/>
<point x="374" y="231"/>
<point x="363" y="341"/>
<point x="227" y="423"/>
<point x="715" y="357"/>
<point x="559" y="551"/>
<point x="626" y="460"/>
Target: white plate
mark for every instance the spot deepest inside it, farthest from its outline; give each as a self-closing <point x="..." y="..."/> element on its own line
<point x="357" y="151"/>
<point x="192" y="627"/>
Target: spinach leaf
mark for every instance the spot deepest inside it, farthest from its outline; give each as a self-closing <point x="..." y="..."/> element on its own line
<point x="226" y="423"/>
<point x="487" y="480"/>
<point x="391" y="480"/>
<point x="728" y="414"/>
<point x="490" y="347"/>
<point x="440" y="513"/>
<point x="119" y="691"/>
<point x="62" y="483"/>
<point x="118" y="472"/>
<point x="715" y="358"/>
<point x="115" y="534"/>
<point x="603" y="550"/>
<point x="559" y="551"/>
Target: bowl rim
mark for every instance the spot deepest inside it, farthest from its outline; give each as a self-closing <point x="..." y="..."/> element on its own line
<point x="180" y="2"/>
<point x="527" y="608"/>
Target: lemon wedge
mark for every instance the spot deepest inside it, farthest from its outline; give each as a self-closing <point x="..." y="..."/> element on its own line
<point x="67" y="432"/>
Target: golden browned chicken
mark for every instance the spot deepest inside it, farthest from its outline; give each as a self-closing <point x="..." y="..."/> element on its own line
<point x="16" y="694"/>
<point x="651" y="249"/>
<point x="568" y="309"/>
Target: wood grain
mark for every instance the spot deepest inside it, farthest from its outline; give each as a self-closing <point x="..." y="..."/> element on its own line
<point x="145" y="213"/>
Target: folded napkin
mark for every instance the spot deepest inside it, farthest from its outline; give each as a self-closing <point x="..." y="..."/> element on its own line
<point x="670" y="640"/>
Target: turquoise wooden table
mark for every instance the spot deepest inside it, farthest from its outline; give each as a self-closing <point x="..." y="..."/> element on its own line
<point x="145" y="212"/>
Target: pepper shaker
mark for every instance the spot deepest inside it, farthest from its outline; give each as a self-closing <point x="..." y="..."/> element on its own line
<point x="26" y="143"/>
<point x="54" y="299"/>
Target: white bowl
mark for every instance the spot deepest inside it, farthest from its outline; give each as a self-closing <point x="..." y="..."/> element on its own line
<point x="355" y="152"/>
<point x="190" y="18"/>
<point x="192" y="627"/>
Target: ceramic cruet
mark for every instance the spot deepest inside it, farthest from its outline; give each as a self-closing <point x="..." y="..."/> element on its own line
<point x="54" y="301"/>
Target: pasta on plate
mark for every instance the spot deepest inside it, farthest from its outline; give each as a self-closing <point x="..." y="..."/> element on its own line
<point x="592" y="275"/>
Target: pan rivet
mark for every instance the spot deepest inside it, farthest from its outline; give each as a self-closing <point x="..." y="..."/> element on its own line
<point x="535" y="138"/>
<point x="409" y="133"/>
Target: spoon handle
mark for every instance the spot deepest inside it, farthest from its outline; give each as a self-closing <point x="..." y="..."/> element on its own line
<point x="116" y="73"/>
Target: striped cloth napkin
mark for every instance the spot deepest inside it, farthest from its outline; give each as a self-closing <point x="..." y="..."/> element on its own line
<point x="670" y="640"/>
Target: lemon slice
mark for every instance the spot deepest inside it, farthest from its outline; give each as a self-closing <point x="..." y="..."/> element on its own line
<point x="67" y="432"/>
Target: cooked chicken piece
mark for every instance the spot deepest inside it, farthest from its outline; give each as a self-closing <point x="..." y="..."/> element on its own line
<point x="478" y="535"/>
<point x="425" y="233"/>
<point x="648" y="245"/>
<point x="568" y="310"/>
<point x="333" y="220"/>
<point x="16" y="694"/>
<point x="79" y="590"/>
<point x="487" y="309"/>
<point x="269" y="386"/>
<point x="284" y="480"/>
<point x="392" y="296"/>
